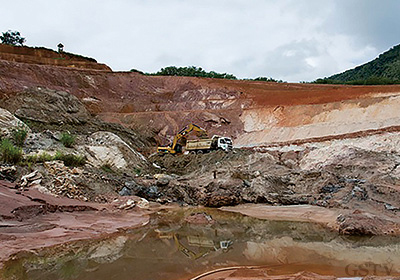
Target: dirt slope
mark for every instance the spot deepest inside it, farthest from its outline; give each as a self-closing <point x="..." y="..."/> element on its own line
<point x="254" y="113"/>
<point x="48" y="57"/>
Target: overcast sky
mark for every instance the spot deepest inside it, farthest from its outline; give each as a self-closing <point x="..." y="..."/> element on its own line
<point x="292" y="40"/>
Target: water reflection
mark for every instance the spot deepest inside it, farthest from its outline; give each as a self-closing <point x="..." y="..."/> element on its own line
<point x="174" y="245"/>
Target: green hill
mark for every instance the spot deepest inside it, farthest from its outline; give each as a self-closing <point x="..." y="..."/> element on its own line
<point x="385" y="69"/>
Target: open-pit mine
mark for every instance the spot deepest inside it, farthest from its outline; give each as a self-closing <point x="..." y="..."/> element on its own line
<point x="311" y="189"/>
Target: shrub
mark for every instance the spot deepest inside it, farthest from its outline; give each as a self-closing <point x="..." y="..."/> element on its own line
<point x="70" y="159"/>
<point x="43" y="157"/>
<point x="266" y="79"/>
<point x="9" y="153"/>
<point x="137" y="171"/>
<point x="191" y="71"/>
<point x="31" y="159"/>
<point x="13" y="38"/>
<point x="67" y="139"/>
<point x="19" y="136"/>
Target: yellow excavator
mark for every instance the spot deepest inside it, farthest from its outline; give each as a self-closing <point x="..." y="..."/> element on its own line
<point x="176" y="145"/>
<point x="187" y="252"/>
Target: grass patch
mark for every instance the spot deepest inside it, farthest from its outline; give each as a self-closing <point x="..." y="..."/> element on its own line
<point x="70" y="159"/>
<point x="43" y="157"/>
<point x="40" y="158"/>
<point x="19" y="136"/>
<point x="67" y="139"/>
<point x="9" y="153"/>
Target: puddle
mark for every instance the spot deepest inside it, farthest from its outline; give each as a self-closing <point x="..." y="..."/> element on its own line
<point x="171" y="248"/>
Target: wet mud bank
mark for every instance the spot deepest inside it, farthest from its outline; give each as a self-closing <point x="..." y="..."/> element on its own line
<point x="31" y="220"/>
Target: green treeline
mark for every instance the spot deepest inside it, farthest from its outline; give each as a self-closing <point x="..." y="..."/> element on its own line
<point x="193" y="71"/>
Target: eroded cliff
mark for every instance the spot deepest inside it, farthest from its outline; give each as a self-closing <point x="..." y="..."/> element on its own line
<point x="253" y="113"/>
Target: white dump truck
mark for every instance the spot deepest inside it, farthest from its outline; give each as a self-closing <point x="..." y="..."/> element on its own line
<point x="206" y="145"/>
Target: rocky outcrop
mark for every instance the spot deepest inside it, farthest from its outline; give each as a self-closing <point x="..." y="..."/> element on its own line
<point x="106" y="148"/>
<point x="363" y="224"/>
<point x="20" y="204"/>
<point x="8" y="122"/>
<point x="368" y="113"/>
<point x="48" y="106"/>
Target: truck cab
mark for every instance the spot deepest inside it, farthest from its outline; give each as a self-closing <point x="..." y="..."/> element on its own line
<point x="222" y="143"/>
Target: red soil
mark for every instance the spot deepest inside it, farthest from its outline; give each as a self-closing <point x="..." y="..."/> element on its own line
<point x="32" y="220"/>
<point x="163" y="105"/>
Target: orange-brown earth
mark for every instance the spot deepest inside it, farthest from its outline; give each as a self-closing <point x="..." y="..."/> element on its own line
<point x="48" y="57"/>
<point x="30" y="220"/>
<point x="254" y="113"/>
<point x="356" y="175"/>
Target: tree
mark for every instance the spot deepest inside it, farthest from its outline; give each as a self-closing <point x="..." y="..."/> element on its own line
<point x="13" y="38"/>
<point x="192" y="71"/>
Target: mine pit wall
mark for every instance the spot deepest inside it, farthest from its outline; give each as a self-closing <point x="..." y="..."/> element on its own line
<point x="252" y="113"/>
<point x="287" y="124"/>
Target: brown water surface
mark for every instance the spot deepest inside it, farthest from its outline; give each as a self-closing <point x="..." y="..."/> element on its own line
<point x="170" y="247"/>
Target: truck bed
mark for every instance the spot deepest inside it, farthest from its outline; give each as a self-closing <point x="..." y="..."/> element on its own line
<point x="198" y="144"/>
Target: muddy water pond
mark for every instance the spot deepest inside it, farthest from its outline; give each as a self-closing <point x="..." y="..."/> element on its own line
<point x="181" y="244"/>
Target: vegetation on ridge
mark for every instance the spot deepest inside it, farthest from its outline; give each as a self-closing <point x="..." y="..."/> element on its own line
<point x="383" y="70"/>
<point x="193" y="71"/>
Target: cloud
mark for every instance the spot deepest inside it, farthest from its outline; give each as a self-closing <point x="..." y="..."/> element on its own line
<point x="304" y="60"/>
<point x="369" y="21"/>
<point x="292" y="40"/>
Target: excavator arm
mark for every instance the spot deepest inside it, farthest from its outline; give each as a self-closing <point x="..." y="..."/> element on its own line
<point x="186" y="251"/>
<point x="173" y="148"/>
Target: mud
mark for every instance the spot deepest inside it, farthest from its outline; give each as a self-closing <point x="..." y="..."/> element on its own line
<point x="33" y="220"/>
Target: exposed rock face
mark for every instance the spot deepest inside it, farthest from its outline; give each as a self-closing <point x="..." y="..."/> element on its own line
<point x="338" y="174"/>
<point x="366" y="224"/>
<point x="8" y="122"/>
<point x="368" y="112"/>
<point x="254" y="113"/>
<point x="107" y="148"/>
<point x="48" y="106"/>
<point x="32" y="220"/>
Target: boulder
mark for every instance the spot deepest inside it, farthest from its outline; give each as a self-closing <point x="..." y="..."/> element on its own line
<point x="105" y="147"/>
